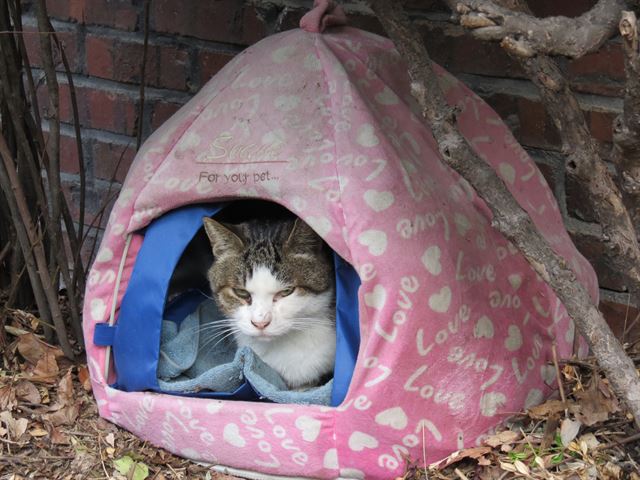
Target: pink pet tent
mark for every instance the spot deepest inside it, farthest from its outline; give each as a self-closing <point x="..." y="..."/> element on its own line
<point x="456" y="329"/>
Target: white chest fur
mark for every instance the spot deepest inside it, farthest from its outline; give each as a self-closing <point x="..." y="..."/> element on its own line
<point x="300" y="357"/>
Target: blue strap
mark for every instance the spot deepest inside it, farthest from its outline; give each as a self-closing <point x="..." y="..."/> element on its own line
<point x="137" y="339"/>
<point x="104" y="334"/>
<point x="347" y="328"/>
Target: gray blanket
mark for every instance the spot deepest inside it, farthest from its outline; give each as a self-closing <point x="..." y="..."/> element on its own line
<point x="191" y="360"/>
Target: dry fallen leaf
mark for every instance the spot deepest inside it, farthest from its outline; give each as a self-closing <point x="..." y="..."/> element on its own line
<point x="65" y="416"/>
<point x="33" y="349"/>
<point x="27" y="391"/>
<point x="569" y="430"/>
<point x="506" y="436"/>
<point x="7" y="397"/>
<point x="596" y="403"/>
<point x="59" y="438"/>
<point x="110" y="439"/>
<point x="475" y="452"/>
<point x="15" y="427"/>
<point x="85" y="379"/>
<point x="547" y="408"/>
<point x="46" y="370"/>
<point x="65" y="390"/>
<point x="38" y="432"/>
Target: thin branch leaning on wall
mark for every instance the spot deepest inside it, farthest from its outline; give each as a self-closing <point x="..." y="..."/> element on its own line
<point x="617" y="214"/>
<point x="508" y="217"/>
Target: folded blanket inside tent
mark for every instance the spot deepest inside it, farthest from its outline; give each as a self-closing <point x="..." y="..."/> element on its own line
<point x="193" y="359"/>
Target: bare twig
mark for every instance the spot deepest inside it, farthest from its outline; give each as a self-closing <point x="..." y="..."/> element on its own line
<point x="143" y="70"/>
<point x="508" y="217"/>
<point x="626" y="132"/>
<point x="56" y="196"/>
<point x="28" y="238"/>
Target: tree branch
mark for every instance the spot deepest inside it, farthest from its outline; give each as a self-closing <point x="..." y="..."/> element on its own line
<point x="508" y="217"/>
<point x="571" y="37"/>
<point x="626" y="131"/>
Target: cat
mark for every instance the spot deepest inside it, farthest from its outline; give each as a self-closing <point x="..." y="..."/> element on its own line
<point x="274" y="280"/>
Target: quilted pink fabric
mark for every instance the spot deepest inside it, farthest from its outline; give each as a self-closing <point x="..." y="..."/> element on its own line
<point x="456" y="327"/>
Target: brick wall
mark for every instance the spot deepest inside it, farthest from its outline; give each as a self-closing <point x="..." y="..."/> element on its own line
<point x="189" y="41"/>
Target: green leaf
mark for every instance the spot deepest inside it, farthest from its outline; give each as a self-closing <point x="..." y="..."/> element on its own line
<point x="126" y="463"/>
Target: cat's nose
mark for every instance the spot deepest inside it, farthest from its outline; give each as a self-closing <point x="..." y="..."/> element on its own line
<point x="260" y="324"/>
<point x="261" y="321"/>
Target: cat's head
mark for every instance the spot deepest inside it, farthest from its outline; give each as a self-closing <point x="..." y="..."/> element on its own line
<point x="271" y="278"/>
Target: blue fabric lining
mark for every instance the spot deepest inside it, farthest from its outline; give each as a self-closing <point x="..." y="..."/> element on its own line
<point x="137" y="335"/>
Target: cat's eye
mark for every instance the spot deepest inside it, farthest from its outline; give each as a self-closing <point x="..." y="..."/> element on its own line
<point x="242" y="293"/>
<point x="286" y="292"/>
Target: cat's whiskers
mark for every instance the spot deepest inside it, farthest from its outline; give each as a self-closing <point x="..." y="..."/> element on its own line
<point x="221" y="333"/>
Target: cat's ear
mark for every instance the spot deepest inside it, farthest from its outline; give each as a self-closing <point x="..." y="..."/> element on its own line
<point x="223" y="240"/>
<point x="302" y="239"/>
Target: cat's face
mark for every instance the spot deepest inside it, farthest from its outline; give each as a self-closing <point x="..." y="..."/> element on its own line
<point x="270" y="278"/>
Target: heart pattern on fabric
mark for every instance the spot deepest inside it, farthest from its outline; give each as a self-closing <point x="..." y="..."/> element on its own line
<point x="393" y="417"/>
<point x="491" y="402"/>
<point x="515" y="280"/>
<point x="104" y="255"/>
<point x="440" y="301"/>
<point x="483" y="328"/>
<point x="231" y="435"/>
<point x="359" y="441"/>
<point x="330" y="459"/>
<point x="367" y="136"/>
<point x="374" y="240"/>
<point x="321" y="225"/>
<point x="98" y="309"/>
<point x="378" y="201"/>
<point x="376" y="298"/>
<point x="508" y="173"/>
<point x="431" y="260"/>
<point x="463" y="225"/>
<point x="387" y="97"/>
<point x="309" y="426"/>
<point x="514" y="340"/>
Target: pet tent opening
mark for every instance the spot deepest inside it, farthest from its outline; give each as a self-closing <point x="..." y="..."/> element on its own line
<point x="160" y="341"/>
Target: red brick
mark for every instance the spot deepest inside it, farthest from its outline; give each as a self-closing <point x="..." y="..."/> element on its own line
<point x="536" y="127"/>
<point x="218" y="20"/>
<point x="69" y="155"/>
<point x="120" y="14"/>
<point x="465" y="54"/>
<point x="98" y="203"/>
<point x="210" y="62"/>
<point x="594" y="250"/>
<point x="66" y="9"/>
<point x="110" y="111"/>
<point x="578" y="201"/>
<point x="620" y="318"/>
<point x="98" y="109"/>
<point x="601" y="125"/>
<point x="112" y="161"/>
<point x="608" y="62"/>
<point x="119" y="60"/>
<point x="161" y="111"/>
<point x="99" y="56"/>
<point x="507" y="107"/>
<point x="69" y="42"/>
<point x="171" y="69"/>
<point x="550" y="174"/>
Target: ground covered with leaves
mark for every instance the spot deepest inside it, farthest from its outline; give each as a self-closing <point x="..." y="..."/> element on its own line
<point x="50" y="428"/>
